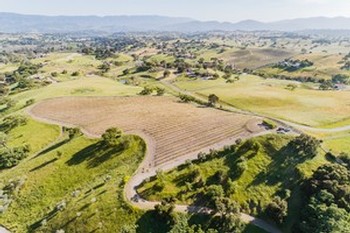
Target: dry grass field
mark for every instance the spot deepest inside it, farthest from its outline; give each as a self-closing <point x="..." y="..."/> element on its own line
<point x="175" y="129"/>
<point x="254" y="58"/>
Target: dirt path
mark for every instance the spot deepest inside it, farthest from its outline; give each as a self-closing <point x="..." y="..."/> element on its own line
<point x="3" y="230"/>
<point x="146" y="170"/>
<point x="142" y="174"/>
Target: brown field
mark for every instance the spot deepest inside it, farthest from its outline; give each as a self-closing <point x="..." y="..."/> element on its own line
<point x="255" y="58"/>
<point x="175" y="129"/>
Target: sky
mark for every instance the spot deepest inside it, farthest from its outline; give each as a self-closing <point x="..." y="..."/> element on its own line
<point x="221" y="10"/>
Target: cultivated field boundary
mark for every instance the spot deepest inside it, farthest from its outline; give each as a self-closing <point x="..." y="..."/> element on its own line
<point x="145" y="170"/>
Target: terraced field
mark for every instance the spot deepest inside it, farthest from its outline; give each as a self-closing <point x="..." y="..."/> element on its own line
<point x="174" y="129"/>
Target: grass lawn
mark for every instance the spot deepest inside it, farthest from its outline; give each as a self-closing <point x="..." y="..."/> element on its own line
<point x="87" y="177"/>
<point x="270" y="97"/>
<point x="270" y="170"/>
<point x="36" y="134"/>
<point x="338" y="143"/>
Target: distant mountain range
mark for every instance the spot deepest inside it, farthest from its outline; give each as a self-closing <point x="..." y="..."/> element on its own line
<point x="13" y="23"/>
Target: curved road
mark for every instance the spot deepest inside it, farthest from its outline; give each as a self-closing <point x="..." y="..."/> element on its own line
<point x="144" y="171"/>
<point x="147" y="170"/>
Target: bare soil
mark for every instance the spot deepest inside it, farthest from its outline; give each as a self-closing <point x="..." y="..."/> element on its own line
<point x="174" y="129"/>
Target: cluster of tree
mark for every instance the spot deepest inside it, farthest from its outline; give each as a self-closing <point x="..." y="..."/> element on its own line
<point x="277" y="210"/>
<point x="327" y="208"/>
<point x="293" y="65"/>
<point x="99" y="53"/>
<point x="225" y="211"/>
<point x="302" y="79"/>
<point x="7" y="102"/>
<point x="346" y="66"/>
<point x="213" y="100"/>
<point x="341" y="79"/>
<point x="21" y="75"/>
<point x="346" y="60"/>
<point x="104" y="67"/>
<point x="10" y="157"/>
<point x="11" y="122"/>
<point x="305" y="145"/>
<point x="113" y="138"/>
<point x="336" y="79"/>
<point x="72" y="132"/>
<point x="148" y="91"/>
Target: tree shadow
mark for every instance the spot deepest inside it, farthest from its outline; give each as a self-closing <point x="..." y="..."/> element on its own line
<point x="94" y="154"/>
<point x="51" y="148"/>
<point x="43" y="165"/>
<point x="282" y="169"/>
<point x="38" y="223"/>
<point x="148" y="223"/>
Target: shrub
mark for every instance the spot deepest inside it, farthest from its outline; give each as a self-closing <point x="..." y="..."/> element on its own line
<point x="75" y="73"/>
<point x="74" y="132"/>
<point x="160" y="91"/>
<point x="186" y="98"/>
<point x="54" y="74"/>
<point x="30" y="102"/>
<point x="146" y="91"/>
<point x="12" y="156"/>
<point x="269" y="124"/>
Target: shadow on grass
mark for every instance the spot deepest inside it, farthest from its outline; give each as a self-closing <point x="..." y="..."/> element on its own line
<point x="38" y="223"/>
<point x="282" y="169"/>
<point x="43" y="165"/>
<point x="94" y="154"/>
<point x="51" y="148"/>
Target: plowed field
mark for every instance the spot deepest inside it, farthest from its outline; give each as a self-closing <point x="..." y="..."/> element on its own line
<point x="175" y="129"/>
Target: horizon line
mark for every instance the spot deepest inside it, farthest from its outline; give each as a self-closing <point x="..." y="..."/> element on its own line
<point x="169" y="16"/>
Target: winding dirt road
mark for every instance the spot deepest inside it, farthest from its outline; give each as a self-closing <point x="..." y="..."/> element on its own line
<point x="148" y="169"/>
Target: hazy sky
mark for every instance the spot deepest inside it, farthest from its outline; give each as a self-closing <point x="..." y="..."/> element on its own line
<point x="222" y="10"/>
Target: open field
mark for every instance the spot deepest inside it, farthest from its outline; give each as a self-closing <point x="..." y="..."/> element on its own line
<point x="270" y="97"/>
<point x="93" y="86"/>
<point x="70" y="62"/>
<point x="36" y="135"/>
<point x="176" y="129"/>
<point x="254" y="58"/>
<point x="325" y="66"/>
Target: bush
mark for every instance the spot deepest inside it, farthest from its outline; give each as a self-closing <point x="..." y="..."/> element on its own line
<point x="75" y="73"/>
<point x="30" y="102"/>
<point x="146" y="91"/>
<point x="12" y="156"/>
<point x="74" y="132"/>
<point x="186" y="98"/>
<point x="269" y="124"/>
<point x="160" y="91"/>
<point x="54" y="74"/>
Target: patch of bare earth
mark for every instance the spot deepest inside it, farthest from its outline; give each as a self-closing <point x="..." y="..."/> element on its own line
<point x="174" y="129"/>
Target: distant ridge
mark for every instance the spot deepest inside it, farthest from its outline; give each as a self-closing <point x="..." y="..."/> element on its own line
<point x="15" y="23"/>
